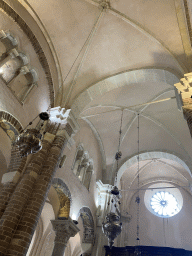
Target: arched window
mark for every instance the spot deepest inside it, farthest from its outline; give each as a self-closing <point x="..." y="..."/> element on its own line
<point x="83" y="166"/>
<point x="7" y="42"/>
<point x="11" y="66"/>
<point x="13" y="70"/>
<point x="24" y="83"/>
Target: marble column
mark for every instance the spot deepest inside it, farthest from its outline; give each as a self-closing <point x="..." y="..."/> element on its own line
<point x="64" y="229"/>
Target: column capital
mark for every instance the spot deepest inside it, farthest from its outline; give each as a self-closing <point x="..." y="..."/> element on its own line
<point x="63" y="116"/>
<point x="67" y="121"/>
<point x="64" y="229"/>
<point x="184" y="92"/>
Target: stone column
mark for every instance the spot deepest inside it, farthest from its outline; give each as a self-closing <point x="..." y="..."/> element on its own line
<point x="64" y="229"/>
<point x="35" y="202"/>
<point x="11" y="178"/>
<point x="30" y="215"/>
<point x="13" y="212"/>
<point x="22" y="213"/>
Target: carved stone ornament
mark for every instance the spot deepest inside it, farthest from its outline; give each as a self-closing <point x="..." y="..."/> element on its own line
<point x="184" y="91"/>
<point x="64" y="229"/>
<point x="59" y="115"/>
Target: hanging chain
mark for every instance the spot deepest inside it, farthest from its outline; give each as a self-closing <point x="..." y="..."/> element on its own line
<point x="119" y="154"/>
<point x="138" y="186"/>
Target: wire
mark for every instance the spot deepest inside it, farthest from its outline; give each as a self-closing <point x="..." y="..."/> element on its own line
<point x="124" y="190"/>
<point x="138" y="185"/>
<point x="118" y="154"/>
<point x="126" y="108"/>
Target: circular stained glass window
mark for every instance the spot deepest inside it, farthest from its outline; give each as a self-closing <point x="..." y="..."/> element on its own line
<point x="164" y="204"/>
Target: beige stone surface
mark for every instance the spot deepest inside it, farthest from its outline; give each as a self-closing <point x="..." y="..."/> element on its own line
<point x="99" y="62"/>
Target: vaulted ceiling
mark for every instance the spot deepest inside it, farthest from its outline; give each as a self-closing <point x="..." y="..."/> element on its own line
<point x="113" y="55"/>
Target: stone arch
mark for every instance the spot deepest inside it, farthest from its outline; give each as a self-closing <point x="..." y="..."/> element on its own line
<point x="65" y="198"/>
<point x="10" y="119"/>
<point x="147" y="156"/>
<point x="78" y="155"/>
<point x="119" y="80"/>
<point x="82" y="166"/>
<point x="12" y="127"/>
<point x="10" y="68"/>
<point x="8" y="42"/>
<point x="88" y="224"/>
<point x="49" y="65"/>
<point x="46" y="245"/>
<point x="37" y="239"/>
<point x="24" y="83"/>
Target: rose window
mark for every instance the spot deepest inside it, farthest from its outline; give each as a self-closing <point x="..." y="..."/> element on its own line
<point x="164" y="204"/>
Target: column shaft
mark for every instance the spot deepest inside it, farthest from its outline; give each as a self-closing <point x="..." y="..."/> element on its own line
<point x="6" y="192"/>
<point x="27" y="225"/>
<point x="16" y="164"/>
<point x="64" y="229"/>
<point x="19" y="198"/>
<point x="58" y="249"/>
<point x="188" y="117"/>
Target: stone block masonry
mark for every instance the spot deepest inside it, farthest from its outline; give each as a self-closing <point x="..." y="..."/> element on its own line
<point x="15" y="206"/>
<point x="32" y="210"/>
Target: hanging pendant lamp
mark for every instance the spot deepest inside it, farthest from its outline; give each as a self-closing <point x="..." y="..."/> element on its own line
<point x="30" y="140"/>
<point x="112" y="225"/>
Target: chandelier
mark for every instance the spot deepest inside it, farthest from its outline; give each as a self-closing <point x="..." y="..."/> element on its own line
<point x="112" y="225"/>
<point x="30" y="140"/>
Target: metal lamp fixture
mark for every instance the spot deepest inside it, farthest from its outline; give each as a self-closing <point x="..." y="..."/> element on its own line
<point x="112" y="225"/>
<point x="30" y="140"/>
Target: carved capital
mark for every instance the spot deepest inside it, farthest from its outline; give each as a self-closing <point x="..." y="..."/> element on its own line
<point x="59" y="115"/>
<point x="184" y="91"/>
<point x="64" y="229"/>
<point x="184" y="98"/>
<point x="63" y="116"/>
